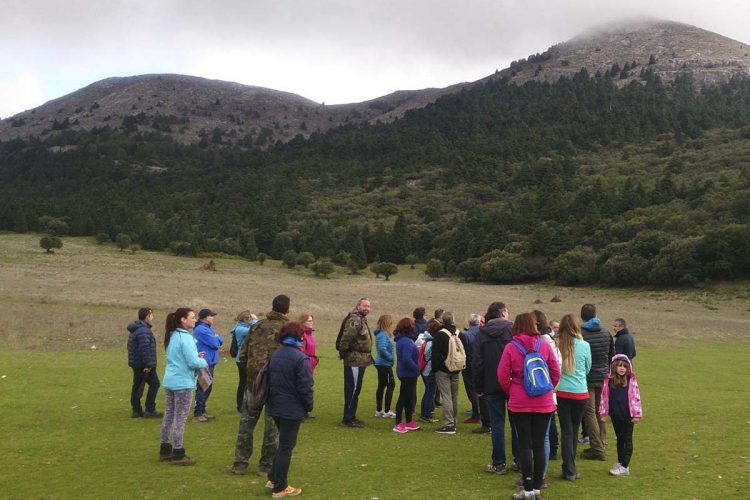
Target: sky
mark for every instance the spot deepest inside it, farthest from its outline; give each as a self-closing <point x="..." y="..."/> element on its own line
<point x="332" y="51"/>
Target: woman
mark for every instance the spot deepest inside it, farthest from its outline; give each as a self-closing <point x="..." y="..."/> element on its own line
<point x="572" y="391"/>
<point x="290" y="398"/>
<point x="551" y="439"/>
<point x="245" y="321"/>
<point x="530" y="414"/>
<point x="180" y="375"/>
<point x="384" y="366"/>
<point x="308" y="323"/>
<point x="408" y="372"/>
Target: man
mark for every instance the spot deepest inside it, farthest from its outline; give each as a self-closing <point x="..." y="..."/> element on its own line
<point x="447" y="380"/>
<point x="142" y="359"/>
<point x="355" y="350"/>
<point x="491" y="340"/>
<point x="208" y="342"/>
<point x="469" y="335"/>
<point x="624" y="343"/>
<point x="256" y="351"/>
<point x="602" y="349"/>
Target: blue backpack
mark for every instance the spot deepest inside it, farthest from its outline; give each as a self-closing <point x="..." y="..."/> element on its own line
<point x="536" y="379"/>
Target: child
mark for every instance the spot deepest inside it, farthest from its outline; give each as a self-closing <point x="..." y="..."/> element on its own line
<point x="621" y="400"/>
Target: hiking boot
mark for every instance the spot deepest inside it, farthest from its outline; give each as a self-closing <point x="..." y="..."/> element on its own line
<point x="153" y="414"/>
<point x="589" y="454"/>
<point x="472" y="420"/>
<point x="496" y="469"/>
<point x="400" y="428"/>
<point x="179" y="457"/>
<point x="239" y="469"/>
<point x="289" y="491"/>
<point x="200" y="419"/>
<point x="446" y="429"/>
<point x="355" y="424"/>
<point x="165" y="452"/>
<point x="389" y="414"/>
<point x="412" y="426"/>
<point x="571" y="477"/>
<point x="481" y="430"/>
<point x="361" y="423"/>
<point x="270" y="484"/>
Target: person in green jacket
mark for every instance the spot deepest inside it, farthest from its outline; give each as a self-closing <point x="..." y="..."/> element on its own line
<point x="180" y="375"/>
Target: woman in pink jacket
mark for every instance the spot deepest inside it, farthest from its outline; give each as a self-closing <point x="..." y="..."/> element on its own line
<point x="530" y="414"/>
<point x="308" y="344"/>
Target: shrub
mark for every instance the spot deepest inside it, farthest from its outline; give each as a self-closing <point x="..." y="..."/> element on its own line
<point x="411" y="259"/>
<point x="504" y="267"/>
<point x="102" y="238"/>
<point x="123" y="241"/>
<point x="434" y="268"/>
<point x="575" y="267"/>
<point x="50" y="242"/>
<point x="323" y="267"/>
<point x="469" y="269"/>
<point x="304" y="259"/>
<point x="262" y="257"/>
<point x="289" y="259"/>
<point x="622" y="270"/>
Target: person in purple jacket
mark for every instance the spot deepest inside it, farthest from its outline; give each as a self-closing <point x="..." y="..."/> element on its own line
<point x="207" y="341"/>
<point x="407" y="370"/>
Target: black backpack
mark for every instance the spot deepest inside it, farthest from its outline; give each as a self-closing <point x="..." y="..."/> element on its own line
<point x="341" y="332"/>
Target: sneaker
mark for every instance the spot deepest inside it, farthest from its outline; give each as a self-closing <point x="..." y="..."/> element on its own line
<point x="615" y="467"/>
<point x="521" y="494"/>
<point x="572" y="477"/>
<point x="359" y="422"/>
<point x="412" y="426"/>
<point x="472" y="420"/>
<point x="514" y="466"/>
<point x="355" y="424"/>
<point x="239" y="469"/>
<point x="200" y="419"/>
<point x="428" y="420"/>
<point x="621" y="471"/>
<point x="584" y="439"/>
<point x="496" y="469"/>
<point x="153" y="414"/>
<point x="209" y="416"/>
<point x="380" y="414"/>
<point x="589" y="454"/>
<point x="270" y="484"/>
<point x="389" y="414"/>
<point x="289" y="491"/>
<point x="400" y="428"/>
<point x="446" y="429"/>
<point x="481" y="430"/>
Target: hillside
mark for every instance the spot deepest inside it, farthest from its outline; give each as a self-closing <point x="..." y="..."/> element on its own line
<point x="195" y="110"/>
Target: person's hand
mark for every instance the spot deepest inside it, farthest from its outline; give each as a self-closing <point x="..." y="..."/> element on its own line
<point x="480" y="395"/>
<point x="603" y="419"/>
<point x="635" y="420"/>
<point x="201" y="354"/>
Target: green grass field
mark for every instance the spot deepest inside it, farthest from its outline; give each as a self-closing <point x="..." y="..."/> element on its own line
<point x="66" y="406"/>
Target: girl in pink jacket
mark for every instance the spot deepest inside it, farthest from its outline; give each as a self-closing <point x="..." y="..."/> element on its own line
<point x="621" y="400"/>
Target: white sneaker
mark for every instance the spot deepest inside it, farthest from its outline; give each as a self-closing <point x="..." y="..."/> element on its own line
<point x="615" y="468"/>
<point x="389" y="414"/>
<point x="380" y="413"/>
<point x="621" y="471"/>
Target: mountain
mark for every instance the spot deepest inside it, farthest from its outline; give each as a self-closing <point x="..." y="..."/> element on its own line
<point x="196" y="110"/>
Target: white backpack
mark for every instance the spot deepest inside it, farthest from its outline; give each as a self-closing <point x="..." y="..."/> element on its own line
<point x="456" y="359"/>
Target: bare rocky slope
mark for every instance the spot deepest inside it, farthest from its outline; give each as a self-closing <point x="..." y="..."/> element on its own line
<point x="193" y="109"/>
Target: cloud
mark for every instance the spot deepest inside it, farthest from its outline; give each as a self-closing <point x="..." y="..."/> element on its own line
<point x="26" y="92"/>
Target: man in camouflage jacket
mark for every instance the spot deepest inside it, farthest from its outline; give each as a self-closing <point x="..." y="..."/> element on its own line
<point x="255" y="352"/>
<point x="355" y="350"/>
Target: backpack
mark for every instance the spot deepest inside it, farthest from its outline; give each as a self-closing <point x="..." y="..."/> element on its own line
<point x="234" y="349"/>
<point x="260" y="386"/>
<point x="536" y="379"/>
<point x="341" y="333"/>
<point x="422" y="360"/>
<point x="456" y="359"/>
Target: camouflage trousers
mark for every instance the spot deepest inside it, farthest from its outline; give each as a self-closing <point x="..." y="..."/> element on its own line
<point x="249" y="416"/>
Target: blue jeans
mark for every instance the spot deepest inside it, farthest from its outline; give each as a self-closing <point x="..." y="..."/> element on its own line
<point x="496" y="409"/>
<point x="428" y="400"/>
<point x="201" y="397"/>
<point x="353" y="376"/>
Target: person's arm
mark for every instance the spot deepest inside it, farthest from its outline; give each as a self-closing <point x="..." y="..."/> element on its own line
<point x="477" y="366"/>
<point x="552" y="364"/>
<point x="192" y="358"/>
<point x="504" y="371"/>
<point x="349" y="336"/>
<point x="304" y="383"/>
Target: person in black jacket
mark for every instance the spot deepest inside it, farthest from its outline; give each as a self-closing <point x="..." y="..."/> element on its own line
<point x="290" y="399"/>
<point x="602" y="349"/>
<point x="142" y="360"/>
<point x="624" y="343"/>
<point x="492" y="338"/>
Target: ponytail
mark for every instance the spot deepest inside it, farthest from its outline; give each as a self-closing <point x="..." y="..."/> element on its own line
<point x="173" y="322"/>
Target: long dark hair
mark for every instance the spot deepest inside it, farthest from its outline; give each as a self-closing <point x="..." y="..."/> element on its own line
<point x="173" y="322"/>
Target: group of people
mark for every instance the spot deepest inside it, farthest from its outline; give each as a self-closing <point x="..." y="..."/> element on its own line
<point x="591" y="372"/>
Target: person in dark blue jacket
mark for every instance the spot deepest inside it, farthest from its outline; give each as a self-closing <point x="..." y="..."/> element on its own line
<point x="624" y="343"/>
<point x="142" y="359"/>
<point x="290" y="398"/>
<point x="207" y="341"/>
<point x="407" y="369"/>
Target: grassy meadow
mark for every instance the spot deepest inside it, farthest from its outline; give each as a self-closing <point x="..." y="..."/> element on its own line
<point x="65" y="383"/>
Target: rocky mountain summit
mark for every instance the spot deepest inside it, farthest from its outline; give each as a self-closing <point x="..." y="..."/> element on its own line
<point x="198" y="110"/>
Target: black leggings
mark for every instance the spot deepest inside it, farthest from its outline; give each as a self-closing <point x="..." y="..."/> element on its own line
<point x="407" y="398"/>
<point x="624" y="432"/>
<point x="531" y="429"/>
<point x="386" y="384"/>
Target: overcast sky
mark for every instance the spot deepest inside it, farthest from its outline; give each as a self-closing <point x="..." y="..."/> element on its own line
<point x="332" y="51"/>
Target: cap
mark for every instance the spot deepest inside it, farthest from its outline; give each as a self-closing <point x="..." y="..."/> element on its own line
<point x="206" y="312"/>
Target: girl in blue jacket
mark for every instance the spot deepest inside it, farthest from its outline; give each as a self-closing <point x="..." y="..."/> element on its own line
<point x="245" y="321"/>
<point x="384" y="366"/>
<point x="407" y="370"/>
<point x="180" y="375"/>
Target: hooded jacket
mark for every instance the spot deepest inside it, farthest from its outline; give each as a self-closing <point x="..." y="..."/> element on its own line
<point x="356" y="341"/>
<point x="624" y="343"/>
<point x="141" y="345"/>
<point x="208" y="341"/>
<point x="407" y="355"/>
<point x="183" y="362"/>
<point x="261" y="343"/>
<point x="602" y="349"/>
<point x="486" y="353"/>
<point x="290" y="382"/>
<point x="510" y="376"/>
<point x="634" y="393"/>
<point x="383" y="348"/>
